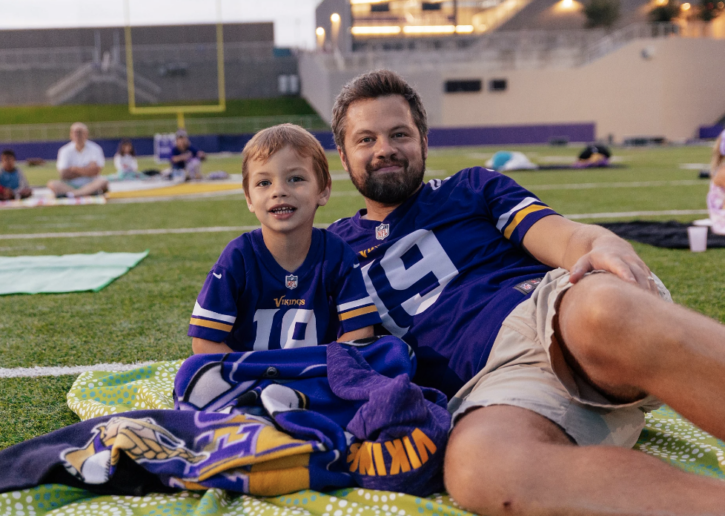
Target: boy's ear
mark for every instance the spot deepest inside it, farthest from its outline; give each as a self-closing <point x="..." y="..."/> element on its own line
<point x="249" y="202"/>
<point x="343" y="158"/>
<point x="324" y="195"/>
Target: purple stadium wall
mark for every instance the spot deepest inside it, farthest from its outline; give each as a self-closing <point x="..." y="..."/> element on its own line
<point x="438" y="137"/>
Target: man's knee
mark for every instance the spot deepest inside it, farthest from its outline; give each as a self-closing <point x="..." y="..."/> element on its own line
<point x="598" y="311"/>
<point x="489" y="454"/>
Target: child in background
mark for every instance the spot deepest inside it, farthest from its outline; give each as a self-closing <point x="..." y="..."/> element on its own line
<point x="716" y="201"/>
<point x="13" y="184"/>
<point x="125" y="160"/>
<point x="287" y="284"/>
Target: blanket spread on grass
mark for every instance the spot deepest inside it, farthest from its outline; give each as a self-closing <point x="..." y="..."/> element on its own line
<point x="262" y="422"/>
<point x="670" y="234"/>
<point x="62" y="274"/>
<point x="95" y="393"/>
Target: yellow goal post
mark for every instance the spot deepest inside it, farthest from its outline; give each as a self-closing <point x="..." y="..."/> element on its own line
<point x="178" y="110"/>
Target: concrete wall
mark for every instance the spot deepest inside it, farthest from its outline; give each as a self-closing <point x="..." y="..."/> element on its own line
<point x="670" y="94"/>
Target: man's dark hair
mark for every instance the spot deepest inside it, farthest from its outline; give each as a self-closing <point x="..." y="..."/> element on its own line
<point x="7" y="152"/>
<point x="372" y="85"/>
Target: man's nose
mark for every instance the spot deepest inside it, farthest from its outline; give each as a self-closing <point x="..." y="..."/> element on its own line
<point x="384" y="147"/>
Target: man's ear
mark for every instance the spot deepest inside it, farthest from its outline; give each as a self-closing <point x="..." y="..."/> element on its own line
<point x="425" y="147"/>
<point x="343" y="158"/>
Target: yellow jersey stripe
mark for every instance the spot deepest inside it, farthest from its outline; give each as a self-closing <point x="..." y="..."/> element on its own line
<point x="211" y="324"/>
<point x="521" y="216"/>
<point x="356" y="313"/>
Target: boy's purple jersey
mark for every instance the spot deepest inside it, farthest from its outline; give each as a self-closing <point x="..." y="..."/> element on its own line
<point x="447" y="266"/>
<point x="250" y="302"/>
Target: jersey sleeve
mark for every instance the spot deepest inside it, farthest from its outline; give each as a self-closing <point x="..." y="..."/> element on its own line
<point x="512" y="208"/>
<point x="215" y="311"/>
<point x="355" y="308"/>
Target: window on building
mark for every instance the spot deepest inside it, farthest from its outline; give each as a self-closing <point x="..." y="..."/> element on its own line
<point x="431" y="6"/>
<point x="463" y="86"/>
<point x="498" y="85"/>
<point x="382" y="7"/>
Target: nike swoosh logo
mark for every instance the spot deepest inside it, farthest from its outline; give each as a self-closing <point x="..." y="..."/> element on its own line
<point x="356" y="266"/>
<point x="217" y="276"/>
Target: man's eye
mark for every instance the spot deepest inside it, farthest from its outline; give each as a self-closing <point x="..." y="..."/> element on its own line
<point x="367" y="139"/>
<point x="399" y="135"/>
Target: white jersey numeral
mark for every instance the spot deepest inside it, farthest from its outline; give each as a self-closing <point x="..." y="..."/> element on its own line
<point x="265" y="321"/>
<point x="434" y="260"/>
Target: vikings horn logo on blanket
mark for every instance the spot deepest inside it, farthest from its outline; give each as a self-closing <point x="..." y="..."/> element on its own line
<point x="141" y="439"/>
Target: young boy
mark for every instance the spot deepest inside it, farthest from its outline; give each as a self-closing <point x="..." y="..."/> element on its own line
<point x="287" y="284"/>
<point x="13" y="184"/>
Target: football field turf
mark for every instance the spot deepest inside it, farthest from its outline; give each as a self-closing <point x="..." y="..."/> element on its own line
<point x="143" y="316"/>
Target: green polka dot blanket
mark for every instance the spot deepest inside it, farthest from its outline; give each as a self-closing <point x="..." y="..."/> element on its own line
<point x="666" y="436"/>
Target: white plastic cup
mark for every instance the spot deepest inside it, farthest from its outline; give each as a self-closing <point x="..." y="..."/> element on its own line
<point x="697" y="236"/>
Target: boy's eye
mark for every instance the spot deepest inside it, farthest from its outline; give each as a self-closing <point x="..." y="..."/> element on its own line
<point x="264" y="182"/>
<point x="296" y="179"/>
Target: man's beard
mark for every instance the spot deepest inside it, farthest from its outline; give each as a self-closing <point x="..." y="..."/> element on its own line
<point x="389" y="188"/>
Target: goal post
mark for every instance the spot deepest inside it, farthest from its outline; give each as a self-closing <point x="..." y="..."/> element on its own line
<point x="179" y="110"/>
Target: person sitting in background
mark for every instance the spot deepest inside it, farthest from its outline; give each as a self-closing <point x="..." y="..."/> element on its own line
<point x="716" y="201"/>
<point x="185" y="158"/>
<point x="125" y="160"/>
<point x="594" y="155"/>
<point x="13" y="184"/>
<point x="718" y="154"/>
<point x="79" y="164"/>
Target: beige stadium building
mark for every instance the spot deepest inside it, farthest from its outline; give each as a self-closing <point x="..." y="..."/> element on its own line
<point x="499" y="63"/>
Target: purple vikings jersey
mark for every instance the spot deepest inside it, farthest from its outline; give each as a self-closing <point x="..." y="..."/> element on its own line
<point x="447" y="266"/>
<point x="251" y="303"/>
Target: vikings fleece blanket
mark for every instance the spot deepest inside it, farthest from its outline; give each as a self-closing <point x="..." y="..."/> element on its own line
<point x="95" y="393"/>
<point x="262" y="422"/>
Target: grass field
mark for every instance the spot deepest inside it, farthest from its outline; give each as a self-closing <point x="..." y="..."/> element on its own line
<point x="115" y="112"/>
<point x="144" y="315"/>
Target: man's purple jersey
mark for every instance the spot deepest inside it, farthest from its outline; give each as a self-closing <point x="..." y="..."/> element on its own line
<point x="447" y="266"/>
<point x="250" y="302"/>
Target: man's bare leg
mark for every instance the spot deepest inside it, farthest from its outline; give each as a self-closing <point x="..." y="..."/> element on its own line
<point x="99" y="184"/>
<point x="507" y="460"/>
<point x="59" y="187"/>
<point x="627" y="342"/>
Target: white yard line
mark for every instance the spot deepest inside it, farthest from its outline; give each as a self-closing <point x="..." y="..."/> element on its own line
<point x="628" y="214"/>
<point x="80" y="234"/>
<point x="631" y="184"/>
<point x="30" y="372"/>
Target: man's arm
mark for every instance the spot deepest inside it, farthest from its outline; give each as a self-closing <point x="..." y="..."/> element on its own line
<point x="581" y="248"/>
<point x="200" y="346"/>
<point x="362" y="333"/>
<point x="90" y="170"/>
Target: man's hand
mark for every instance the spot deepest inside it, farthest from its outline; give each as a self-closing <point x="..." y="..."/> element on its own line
<point x="618" y="257"/>
<point x="582" y="248"/>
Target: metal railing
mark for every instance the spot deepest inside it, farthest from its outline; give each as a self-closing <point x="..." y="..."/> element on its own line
<point x="141" y="128"/>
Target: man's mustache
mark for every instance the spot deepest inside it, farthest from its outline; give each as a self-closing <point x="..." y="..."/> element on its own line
<point x="373" y="167"/>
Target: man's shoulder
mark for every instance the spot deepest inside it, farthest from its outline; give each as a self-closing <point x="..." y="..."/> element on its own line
<point x="68" y="147"/>
<point x="94" y="146"/>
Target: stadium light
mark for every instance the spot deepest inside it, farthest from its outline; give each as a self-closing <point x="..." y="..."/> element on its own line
<point x="367" y="1"/>
<point x="686" y="6"/>
<point x="464" y="29"/>
<point x="335" y="18"/>
<point x="381" y="30"/>
<point x="567" y="4"/>
<point x="320" y="32"/>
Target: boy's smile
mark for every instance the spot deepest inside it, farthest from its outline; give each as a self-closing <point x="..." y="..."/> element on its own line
<point x="284" y="193"/>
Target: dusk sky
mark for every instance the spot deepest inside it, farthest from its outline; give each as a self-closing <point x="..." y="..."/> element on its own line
<point x="294" y="20"/>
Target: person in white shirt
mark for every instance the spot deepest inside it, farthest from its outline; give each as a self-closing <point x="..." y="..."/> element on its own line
<point x="79" y="164"/>
<point x="125" y="160"/>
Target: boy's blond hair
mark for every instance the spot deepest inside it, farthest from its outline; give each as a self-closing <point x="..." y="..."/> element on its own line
<point x="269" y="141"/>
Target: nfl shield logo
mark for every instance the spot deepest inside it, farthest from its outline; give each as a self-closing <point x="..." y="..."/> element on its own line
<point x="290" y="281"/>
<point x="382" y="231"/>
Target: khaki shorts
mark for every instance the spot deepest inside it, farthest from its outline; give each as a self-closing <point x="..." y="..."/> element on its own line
<point x="526" y="369"/>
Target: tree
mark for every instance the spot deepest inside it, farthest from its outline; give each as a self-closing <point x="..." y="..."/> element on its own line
<point x="709" y="10"/>
<point x="601" y="13"/>
<point x="665" y="13"/>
